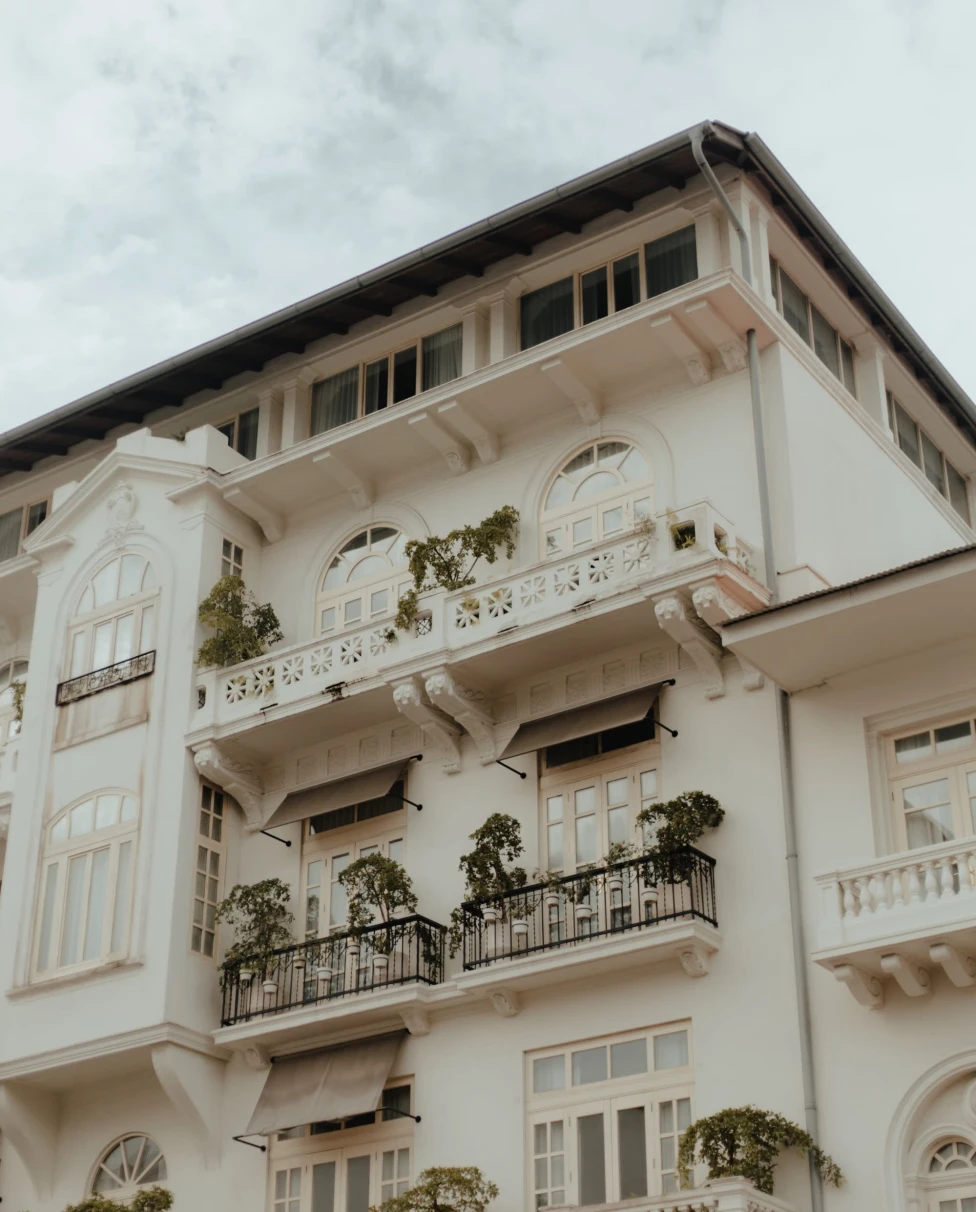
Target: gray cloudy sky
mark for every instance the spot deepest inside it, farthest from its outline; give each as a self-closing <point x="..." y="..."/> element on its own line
<point x="171" y="169"/>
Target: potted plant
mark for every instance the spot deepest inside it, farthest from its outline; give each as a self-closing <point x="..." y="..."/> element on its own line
<point x="448" y="562"/>
<point x="151" y="1199"/>
<point x="242" y="628"/>
<point x="744" y="1142"/>
<point x="262" y="925"/>
<point x="489" y="872"/>
<point x="444" y="1189"/>
<point x="377" y="884"/>
<point x="671" y="827"/>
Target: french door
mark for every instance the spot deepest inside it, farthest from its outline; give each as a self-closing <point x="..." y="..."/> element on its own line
<point x="326" y="904"/>
<point x="341" y="1180"/>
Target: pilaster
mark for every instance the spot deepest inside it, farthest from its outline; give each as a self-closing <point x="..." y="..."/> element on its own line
<point x="270" y="409"/>
<point x="474" y="337"/>
<point x="869" y="378"/>
<point x="296" y="407"/>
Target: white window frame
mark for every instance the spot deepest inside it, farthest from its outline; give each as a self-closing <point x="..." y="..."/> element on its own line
<point x="231" y="558"/>
<point x="350" y="841"/>
<point x="80" y="648"/>
<point x="895" y="411"/>
<point x="25" y="529"/>
<point x="59" y="855"/>
<point x="209" y="859"/>
<point x="954" y="765"/>
<point x="845" y="366"/>
<point x="129" y="1190"/>
<point x="393" y="582"/>
<point x="607" y="1097"/>
<point x="233" y="423"/>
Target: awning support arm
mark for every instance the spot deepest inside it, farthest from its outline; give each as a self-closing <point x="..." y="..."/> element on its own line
<point x="285" y="842"/>
<point x="250" y="1143"/>
<point x="521" y="773"/>
<point x="397" y="1111"/>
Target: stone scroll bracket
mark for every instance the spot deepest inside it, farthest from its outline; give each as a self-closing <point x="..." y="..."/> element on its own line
<point x="866" y="989"/>
<point x="505" y="1002"/>
<point x="29" y="1120"/>
<point x="411" y="699"/>
<point x="714" y="607"/>
<point x="229" y="769"/>
<point x="193" y="1083"/>
<point x="690" y="633"/>
<point x="467" y="706"/>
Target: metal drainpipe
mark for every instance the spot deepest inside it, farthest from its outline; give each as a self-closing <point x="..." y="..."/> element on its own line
<point x="783" y="735"/>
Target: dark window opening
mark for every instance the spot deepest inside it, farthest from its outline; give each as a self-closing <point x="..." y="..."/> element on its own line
<point x="595" y="743"/>
<point x="365" y="811"/>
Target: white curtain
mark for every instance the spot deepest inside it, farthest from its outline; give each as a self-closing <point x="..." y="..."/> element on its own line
<point x="10" y="533"/>
<point x="442" y="357"/>
<point x="335" y="401"/>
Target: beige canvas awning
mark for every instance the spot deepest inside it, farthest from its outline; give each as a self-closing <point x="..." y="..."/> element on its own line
<point x="332" y="1084"/>
<point x="326" y="797"/>
<point x="581" y="721"/>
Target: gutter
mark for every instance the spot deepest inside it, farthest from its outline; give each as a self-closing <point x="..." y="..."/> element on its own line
<point x="783" y="734"/>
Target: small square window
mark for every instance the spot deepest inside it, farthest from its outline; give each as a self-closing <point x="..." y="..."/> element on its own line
<point x="589" y="1065"/>
<point x="231" y="559"/>
<point x="594" y="296"/>
<point x="910" y="748"/>
<point x="626" y="282"/>
<point x="549" y="1073"/>
<point x="907" y="435"/>
<point x="671" y="1050"/>
<point x="628" y="1058"/>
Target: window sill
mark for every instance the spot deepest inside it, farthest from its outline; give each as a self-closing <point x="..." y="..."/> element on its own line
<point x="39" y="987"/>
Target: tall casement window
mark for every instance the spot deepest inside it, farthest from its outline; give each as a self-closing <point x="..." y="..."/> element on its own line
<point x="86" y="884"/>
<point x="951" y="1178"/>
<point x="126" y="1165"/>
<point x="605" y="1117"/>
<point x="115" y="616"/>
<point x="602" y="491"/>
<point x="605" y="289"/>
<point x="231" y="559"/>
<point x="591" y="791"/>
<point x="10" y="674"/>
<point x="932" y="782"/>
<point x="17" y="524"/>
<point x="363" y="580"/>
<point x="345" y="1166"/>
<point x="397" y="376"/>
<point x="241" y="432"/>
<point x="209" y="870"/>
<point x="914" y="442"/>
<point x="811" y="326"/>
<point x="335" y="839"/>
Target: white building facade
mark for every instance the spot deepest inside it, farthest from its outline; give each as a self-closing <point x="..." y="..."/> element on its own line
<point x="705" y="411"/>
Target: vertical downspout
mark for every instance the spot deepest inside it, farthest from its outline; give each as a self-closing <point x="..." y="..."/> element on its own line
<point x="783" y="736"/>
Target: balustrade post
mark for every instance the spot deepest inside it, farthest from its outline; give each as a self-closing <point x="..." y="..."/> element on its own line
<point x="946" y="879"/>
<point x="897" y="889"/>
<point x="878" y="888"/>
<point x="849" y="899"/>
<point x="914" y="887"/>
<point x="864" y="894"/>
<point x="931" y="883"/>
<point x="967" y="874"/>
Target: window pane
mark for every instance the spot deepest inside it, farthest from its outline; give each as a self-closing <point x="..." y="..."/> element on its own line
<point x="825" y="342"/>
<point x="554" y="808"/>
<point x="123" y="638"/>
<point x="958" y="497"/>
<point x="146" y="629"/>
<point x="95" y="915"/>
<point x="47" y="917"/>
<point x="442" y="357"/>
<point x="247" y="433"/>
<point x="546" y="313"/>
<point x="932" y="464"/>
<point x="592" y="1160"/>
<point x="648" y="781"/>
<point x="618" y="825"/>
<point x="953" y="736"/>
<point x="376" y="385"/>
<point x="10" y="524"/>
<point x="586" y="845"/>
<point x="334" y="400"/>
<point x="847" y="367"/>
<point x="82" y="818"/>
<point x="907" y="435"/>
<point x="102" y="648"/>
<point x="617" y="791"/>
<point x="774" y="279"/>
<point x="549" y="1073"/>
<point x="35" y="516"/>
<point x="323" y="1187"/>
<point x="573" y="751"/>
<point x="78" y="654"/>
<point x="106" y="811"/>
<point x="554" y="841"/>
<point x="632" y="1152"/>
<point x="929" y="813"/>
<point x="626" y="282"/>
<point x="593" y="295"/>
<point x="357" y="1184"/>
<point x="671" y="261"/>
<point x="72" y="910"/>
<point x="105" y="584"/>
<point x="671" y="1050"/>
<point x="123" y="883"/>
<point x="589" y="1065"/>
<point x="794" y="306"/>
<point x="628" y="1058"/>
<point x="404" y="374"/>
<point x="908" y="748"/>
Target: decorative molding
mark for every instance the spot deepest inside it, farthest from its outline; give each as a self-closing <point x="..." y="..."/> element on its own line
<point x="233" y="773"/>
<point x="358" y="488"/>
<point x="29" y="1120"/>
<point x="692" y="636"/>
<point x="715" y="329"/>
<point x="272" y="523"/>
<point x="697" y="363"/>
<point x="867" y="990"/>
<point x="416" y="1020"/>
<point x="959" y="968"/>
<point x="714" y="607"/>
<point x="506" y="1002"/>
<point x="194" y="1085"/>
<point x="468" y="707"/>
<point x="411" y="700"/>
<point x="456" y="456"/>
<point x="121" y="505"/>
<point x="914" y="981"/>
<point x="485" y="443"/>
<point x="696" y="960"/>
<point x="256" y="1058"/>
<point x="586" y="401"/>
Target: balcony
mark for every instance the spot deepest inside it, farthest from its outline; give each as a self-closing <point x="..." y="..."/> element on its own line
<point x="365" y="978"/>
<point x="509" y="626"/>
<point x="905" y="916"/>
<point x="717" y="1195"/>
<point x="130" y="670"/>
<point x="592" y="922"/>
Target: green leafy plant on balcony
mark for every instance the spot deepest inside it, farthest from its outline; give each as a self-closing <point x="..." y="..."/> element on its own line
<point x="155" y="1199"/>
<point x="448" y="562"/>
<point x="377" y="884"/>
<point x="242" y="627"/>
<point x="445" y="1189"/>
<point x="670" y="827"/>
<point x="261" y="920"/>
<point x="744" y="1142"/>
<point x="18" y="690"/>
<point x="488" y="868"/>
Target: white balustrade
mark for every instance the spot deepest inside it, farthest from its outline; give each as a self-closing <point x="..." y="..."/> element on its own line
<point x="719" y="1195"/>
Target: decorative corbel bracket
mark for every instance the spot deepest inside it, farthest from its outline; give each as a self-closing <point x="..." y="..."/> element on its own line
<point x="485" y="443"/>
<point x="193" y="1083"/>
<point x="468" y="707"/>
<point x="715" y="607"/>
<point x="867" y="990"/>
<point x="416" y="1020"/>
<point x="715" y="329"/>
<point x="456" y="455"/>
<point x="691" y="634"/>
<point x="271" y="522"/>
<point x="694" y="357"/>
<point x="256" y="1058"/>
<point x="359" y="489"/>
<point x="696" y="960"/>
<point x="29" y="1120"/>
<point x="412" y="701"/>
<point x="232" y="772"/>
<point x="959" y="968"/>
<point x="585" y="400"/>
<point x="914" y="981"/>
<point x="506" y="1002"/>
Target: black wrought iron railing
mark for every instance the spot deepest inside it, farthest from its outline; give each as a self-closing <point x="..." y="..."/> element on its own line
<point x="101" y="679"/>
<point x="390" y="953"/>
<point x="578" y="908"/>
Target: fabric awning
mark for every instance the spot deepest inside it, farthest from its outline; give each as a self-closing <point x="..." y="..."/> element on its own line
<point x="326" y="797"/>
<point x="580" y="721"/>
<point x="335" y="1083"/>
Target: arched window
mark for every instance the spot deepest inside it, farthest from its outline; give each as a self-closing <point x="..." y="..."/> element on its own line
<point x="363" y="580"/>
<point x="12" y="672"/>
<point x="952" y="1177"/>
<point x="86" y="883"/>
<point x="114" y="617"/>
<point x="956" y="1155"/>
<point x="129" y="1163"/>
<point x="601" y="492"/>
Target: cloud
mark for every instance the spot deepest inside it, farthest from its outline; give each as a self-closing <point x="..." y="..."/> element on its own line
<point x="174" y="169"/>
